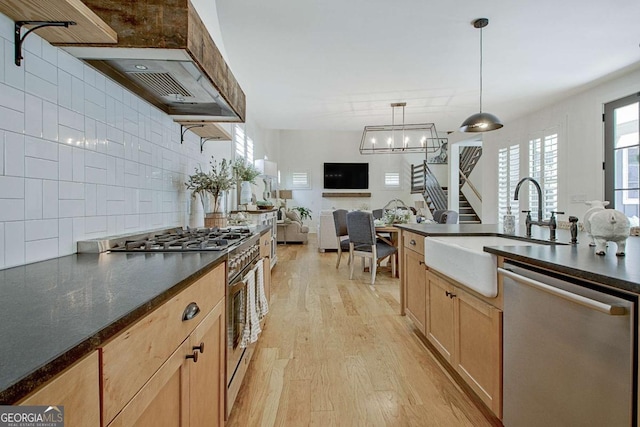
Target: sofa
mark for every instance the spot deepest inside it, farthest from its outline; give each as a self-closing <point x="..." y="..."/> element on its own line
<point x="291" y="229"/>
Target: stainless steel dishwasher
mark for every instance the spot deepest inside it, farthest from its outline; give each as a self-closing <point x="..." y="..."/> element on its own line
<point x="569" y="352"/>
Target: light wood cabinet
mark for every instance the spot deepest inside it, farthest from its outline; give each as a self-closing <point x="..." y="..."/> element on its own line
<point x="168" y="369"/>
<point x="265" y="245"/>
<point x="267" y="278"/>
<point x="440" y="323"/>
<point x="467" y="331"/>
<point x="185" y="391"/>
<point x="415" y="272"/>
<point x="478" y="347"/>
<point x="77" y="389"/>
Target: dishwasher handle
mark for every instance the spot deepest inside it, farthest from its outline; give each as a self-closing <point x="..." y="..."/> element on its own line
<point x="609" y="309"/>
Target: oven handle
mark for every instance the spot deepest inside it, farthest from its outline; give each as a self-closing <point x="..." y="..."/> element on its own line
<point x="238" y="282"/>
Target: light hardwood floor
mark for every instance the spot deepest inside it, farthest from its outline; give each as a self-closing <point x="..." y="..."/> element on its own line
<point x="335" y="352"/>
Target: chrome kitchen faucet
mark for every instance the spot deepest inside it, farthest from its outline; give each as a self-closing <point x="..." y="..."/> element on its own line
<point x="551" y="223"/>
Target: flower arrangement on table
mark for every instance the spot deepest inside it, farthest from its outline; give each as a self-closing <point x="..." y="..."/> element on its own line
<point x="396" y="216"/>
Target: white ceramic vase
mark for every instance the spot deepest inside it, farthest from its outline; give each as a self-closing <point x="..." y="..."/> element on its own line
<point x="245" y="193"/>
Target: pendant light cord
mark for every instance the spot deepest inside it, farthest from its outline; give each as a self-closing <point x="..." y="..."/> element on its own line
<point x="481" y="69"/>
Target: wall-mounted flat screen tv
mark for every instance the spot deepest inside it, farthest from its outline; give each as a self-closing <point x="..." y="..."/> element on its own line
<point x="346" y="175"/>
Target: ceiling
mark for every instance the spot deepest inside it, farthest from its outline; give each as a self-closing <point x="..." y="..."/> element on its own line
<point x="338" y="64"/>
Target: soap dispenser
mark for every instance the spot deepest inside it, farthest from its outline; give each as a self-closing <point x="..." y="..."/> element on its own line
<point x="509" y="222"/>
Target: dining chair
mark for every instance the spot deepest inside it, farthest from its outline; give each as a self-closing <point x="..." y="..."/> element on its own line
<point x="377" y="213"/>
<point x="340" y="221"/>
<point x="363" y="243"/>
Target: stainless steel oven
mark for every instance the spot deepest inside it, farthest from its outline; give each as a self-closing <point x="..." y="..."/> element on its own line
<point x="242" y="260"/>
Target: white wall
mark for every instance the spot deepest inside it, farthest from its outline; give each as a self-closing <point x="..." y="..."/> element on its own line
<point x="581" y="144"/>
<point x="307" y="151"/>
<point x="80" y="157"/>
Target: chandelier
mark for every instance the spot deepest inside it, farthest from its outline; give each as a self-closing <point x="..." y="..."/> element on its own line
<point x="400" y="138"/>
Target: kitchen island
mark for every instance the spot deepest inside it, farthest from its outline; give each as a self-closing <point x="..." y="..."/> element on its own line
<point x="464" y="325"/>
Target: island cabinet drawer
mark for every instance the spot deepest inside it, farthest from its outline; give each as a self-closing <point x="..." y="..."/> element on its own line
<point x="132" y="357"/>
<point x="413" y="241"/>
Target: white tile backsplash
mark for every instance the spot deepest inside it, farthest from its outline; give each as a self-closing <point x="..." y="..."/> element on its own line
<point x="14" y="239"/>
<point x="80" y="156"/>
<point x="40" y="168"/>
<point x="41" y="229"/>
<point x="41" y="249"/>
<point x="33" y="116"/>
<point x="50" y="199"/>
<point x="41" y="149"/>
<point x="38" y="86"/>
<point x="1" y="153"/>
<point x="33" y="198"/>
<point x="13" y="154"/>
<point x="11" y="187"/>
<point x="1" y="245"/>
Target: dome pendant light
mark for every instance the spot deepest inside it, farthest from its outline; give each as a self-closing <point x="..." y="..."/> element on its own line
<point x="481" y="122"/>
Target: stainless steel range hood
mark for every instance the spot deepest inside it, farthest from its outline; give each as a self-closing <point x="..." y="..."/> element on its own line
<point x="165" y="55"/>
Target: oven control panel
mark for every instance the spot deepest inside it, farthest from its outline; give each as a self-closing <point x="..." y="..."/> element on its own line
<point x="240" y="259"/>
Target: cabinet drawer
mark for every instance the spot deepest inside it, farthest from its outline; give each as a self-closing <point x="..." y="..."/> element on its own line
<point x="132" y="357"/>
<point x="413" y="241"/>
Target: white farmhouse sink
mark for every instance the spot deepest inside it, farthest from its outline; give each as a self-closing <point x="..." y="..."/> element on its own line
<point x="462" y="259"/>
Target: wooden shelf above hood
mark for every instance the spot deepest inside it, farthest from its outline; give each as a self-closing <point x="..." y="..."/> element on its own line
<point x="207" y="130"/>
<point x="163" y="29"/>
<point x="89" y="27"/>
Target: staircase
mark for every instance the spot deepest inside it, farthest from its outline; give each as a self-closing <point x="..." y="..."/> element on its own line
<point x="424" y="182"/>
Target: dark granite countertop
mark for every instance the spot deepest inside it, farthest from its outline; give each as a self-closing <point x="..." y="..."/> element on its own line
<point x="573" y="260"/>
<point x="54" y="312"/>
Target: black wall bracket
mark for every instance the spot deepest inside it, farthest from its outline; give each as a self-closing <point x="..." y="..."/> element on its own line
<point x="184" y="129"/>
<point x="210" y="138"/>
<point x="19" y="37"/>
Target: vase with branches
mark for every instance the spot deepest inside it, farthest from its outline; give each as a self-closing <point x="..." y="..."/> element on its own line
<point x="218" y="180"/>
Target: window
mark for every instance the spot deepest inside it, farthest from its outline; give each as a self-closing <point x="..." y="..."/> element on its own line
<point x="622" y="148"/>
<point x="244" y="145"/>
<point x="508" y="176"/>
<point x="392" y="180"/>
<point x="239" y="139"/>
<point x="300" y="180"/>
<point x="543" y="167"/>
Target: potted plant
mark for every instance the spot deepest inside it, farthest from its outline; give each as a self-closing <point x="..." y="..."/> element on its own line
<point x="214" y="183"/>
<point x="246" y="173"/>
<point x="303" y="212"/>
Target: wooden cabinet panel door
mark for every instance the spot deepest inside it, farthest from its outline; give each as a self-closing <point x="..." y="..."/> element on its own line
<point x="207" y="376"/>
<point x="478" y="343"/>
<point x="416" y="288"/>
<point x="265" y="244"/>
<point x="77" y="389"/>
<point x="163" y="401"/>
<point x="266" y="268"/>
<point x="440" y="320"/>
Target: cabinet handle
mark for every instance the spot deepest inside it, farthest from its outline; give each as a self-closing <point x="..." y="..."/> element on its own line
<point x="190" y="312"/>
<point x="421" y="262"/>
<point x="199" y="348"/>
<point x="193" y="356"/>
<point x="412" y="242"/>
<point x="450" y="294"/>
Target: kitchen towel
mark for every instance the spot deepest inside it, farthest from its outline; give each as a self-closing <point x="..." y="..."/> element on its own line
<point x="252" y="323"/>
<point x="262" y="303"/>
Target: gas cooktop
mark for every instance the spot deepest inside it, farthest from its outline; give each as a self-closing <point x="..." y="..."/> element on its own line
<point x="171" y="240"/>
<point x="201" y="239"/>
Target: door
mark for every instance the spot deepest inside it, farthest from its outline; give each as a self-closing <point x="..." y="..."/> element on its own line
<point x="440" y="320"/>
<point x="161" y="402"/>
<point x="207" y="376"/>
<point x="622" y="176"/>
<point x="416" y="285"/>
<point x="478" y="347"/>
